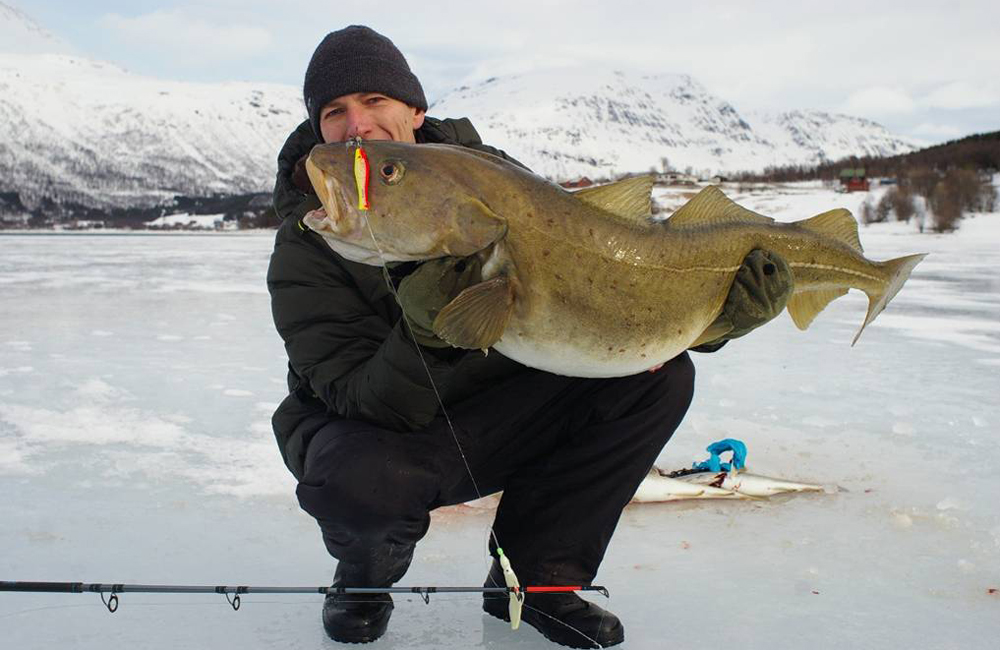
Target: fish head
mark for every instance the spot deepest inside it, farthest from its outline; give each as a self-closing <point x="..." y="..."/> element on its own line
<point x="422" y="202"/>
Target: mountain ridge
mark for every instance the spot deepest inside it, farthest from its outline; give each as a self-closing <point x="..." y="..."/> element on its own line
<point x="88" y="133"/>
<point x="589" y="122"/>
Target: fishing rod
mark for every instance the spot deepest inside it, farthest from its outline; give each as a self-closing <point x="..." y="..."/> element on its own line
<point x="232" y="593"/>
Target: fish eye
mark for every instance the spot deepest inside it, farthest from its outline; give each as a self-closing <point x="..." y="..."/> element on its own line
<point x="391" y="171"/>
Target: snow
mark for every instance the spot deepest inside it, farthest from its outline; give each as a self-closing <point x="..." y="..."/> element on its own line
<point x="93" y="133"/>
<point x="585" y="121"/>
<point x="208" y="221"/>
<point x="88" y="132"/>
<point x="138" y="374"/>
<point x="19" y="33"/>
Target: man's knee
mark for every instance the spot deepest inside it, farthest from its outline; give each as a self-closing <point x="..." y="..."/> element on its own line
<point x="673" y="392"/>
<point x="669" y="389"/>
<point x="366" y="481"/>
<point x="679" y="378"/>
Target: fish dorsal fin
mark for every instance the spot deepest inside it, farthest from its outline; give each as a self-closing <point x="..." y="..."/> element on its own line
<point x="712" y="206"/>
<point x="838" y="224"/>
<point x="630" y="198"/>
<point x="804" y="306"/>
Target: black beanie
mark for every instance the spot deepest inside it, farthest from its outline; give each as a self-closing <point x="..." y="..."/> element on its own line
<point x="357" y="59"/>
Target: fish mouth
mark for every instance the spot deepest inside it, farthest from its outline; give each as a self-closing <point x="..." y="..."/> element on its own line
<point x="331" y="194"/>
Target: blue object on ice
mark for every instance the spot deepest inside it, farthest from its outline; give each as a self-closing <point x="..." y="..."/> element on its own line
<point x="715" y="464"/>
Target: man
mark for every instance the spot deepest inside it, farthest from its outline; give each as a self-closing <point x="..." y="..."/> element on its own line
<point x="362" y="428"/>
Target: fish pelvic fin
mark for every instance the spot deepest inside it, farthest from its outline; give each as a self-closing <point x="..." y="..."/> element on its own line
<point x="804" y="306"/>
<point x="838" y="224"/>
<point x="477" y="317"/>
<point x="719" y="328"/>
<point x="898" y="271"/>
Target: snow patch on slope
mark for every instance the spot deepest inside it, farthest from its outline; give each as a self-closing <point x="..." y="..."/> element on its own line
<point x="584" y="121"/>
<point x="21" y="34"/>
<point x="92" y="133"/>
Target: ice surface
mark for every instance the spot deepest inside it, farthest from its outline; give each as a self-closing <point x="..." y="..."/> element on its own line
<point x="138" y="374"/>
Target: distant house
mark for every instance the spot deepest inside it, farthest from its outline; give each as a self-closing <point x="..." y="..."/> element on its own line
<point x="84" y="224"/>
<point x="677" y="178"/>
<point x="583" y="181"/>
<point x="854" y="179"/>
<point x="20" y="219"/>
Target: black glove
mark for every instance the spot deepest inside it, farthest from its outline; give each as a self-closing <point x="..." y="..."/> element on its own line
<point x="434" y="284"/>
<point x="760" y="291"/>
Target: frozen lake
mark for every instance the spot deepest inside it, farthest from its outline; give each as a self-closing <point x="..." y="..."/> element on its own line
<point x="138" y="374"/>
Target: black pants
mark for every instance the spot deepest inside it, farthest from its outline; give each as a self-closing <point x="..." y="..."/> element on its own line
<point x="568" y="454"/>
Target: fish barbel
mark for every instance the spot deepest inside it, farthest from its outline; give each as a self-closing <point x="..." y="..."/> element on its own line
<point x="579" y="283"/>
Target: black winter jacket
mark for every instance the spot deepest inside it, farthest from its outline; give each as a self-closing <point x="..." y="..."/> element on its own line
<point x="349" y="354"/>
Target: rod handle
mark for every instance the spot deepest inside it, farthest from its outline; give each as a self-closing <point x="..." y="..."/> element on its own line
<point x="48" y="587"/>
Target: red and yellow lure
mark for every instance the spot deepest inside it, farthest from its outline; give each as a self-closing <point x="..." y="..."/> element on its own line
<point x="362" y="172"/>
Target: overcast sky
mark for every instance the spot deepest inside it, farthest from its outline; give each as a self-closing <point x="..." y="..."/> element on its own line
<point x="923" y="69"/>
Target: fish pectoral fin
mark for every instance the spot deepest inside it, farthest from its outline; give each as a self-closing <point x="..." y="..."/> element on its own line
<point x="719" y="328"/>
<point x="316" y="223"/>
<point x="630" y="198"/>
<point x="711" y="206"/>
<point x="805" y="305"/>
<point x="477" y="317"/>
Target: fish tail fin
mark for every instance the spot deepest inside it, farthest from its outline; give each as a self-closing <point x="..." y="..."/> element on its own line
<point x="839" y="224"/>
<point x="898" y="272"/>
<point x="836" y="224"/>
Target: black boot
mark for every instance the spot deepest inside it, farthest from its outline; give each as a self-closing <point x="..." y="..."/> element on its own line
<point x="357" y="618"/>
<point x="564" y="618"/>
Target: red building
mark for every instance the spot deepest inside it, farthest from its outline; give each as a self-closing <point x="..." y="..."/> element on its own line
<point x="583" y="181"/>
<point x="854" y="180"/>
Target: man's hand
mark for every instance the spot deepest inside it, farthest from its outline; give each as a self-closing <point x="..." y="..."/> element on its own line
<point x="433" y="285"/>
<point x="760" y="292"/>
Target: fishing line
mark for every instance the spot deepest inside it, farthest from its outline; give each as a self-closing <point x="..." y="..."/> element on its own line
<point x="42" y="609"/>
<point x="444" y="411"/>
<point x="514" y="593"/>
<point x="420" y="353"/>
<point x="567" y="625"/>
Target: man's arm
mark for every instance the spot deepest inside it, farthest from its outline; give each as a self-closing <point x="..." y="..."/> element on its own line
<point x="360" y="363"/>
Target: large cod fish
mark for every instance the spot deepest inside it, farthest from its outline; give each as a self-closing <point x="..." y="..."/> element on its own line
<point x="577" y="283"/>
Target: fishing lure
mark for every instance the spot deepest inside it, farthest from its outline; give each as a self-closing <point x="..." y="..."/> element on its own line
<point x="362" y="173"/>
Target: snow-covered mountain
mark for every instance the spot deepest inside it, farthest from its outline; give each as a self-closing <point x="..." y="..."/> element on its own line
<point x="78" y="131"/>
<point x="828" y="136"/>
<point x="91" y="133"/>
<point x="19" y="33"/>
<point x="574" y="122"/>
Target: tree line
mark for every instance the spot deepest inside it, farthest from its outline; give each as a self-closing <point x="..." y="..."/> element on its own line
<point x="947" y="180"/>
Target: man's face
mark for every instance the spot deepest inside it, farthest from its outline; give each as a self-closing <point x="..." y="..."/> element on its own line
<point x="370" y="116"/>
